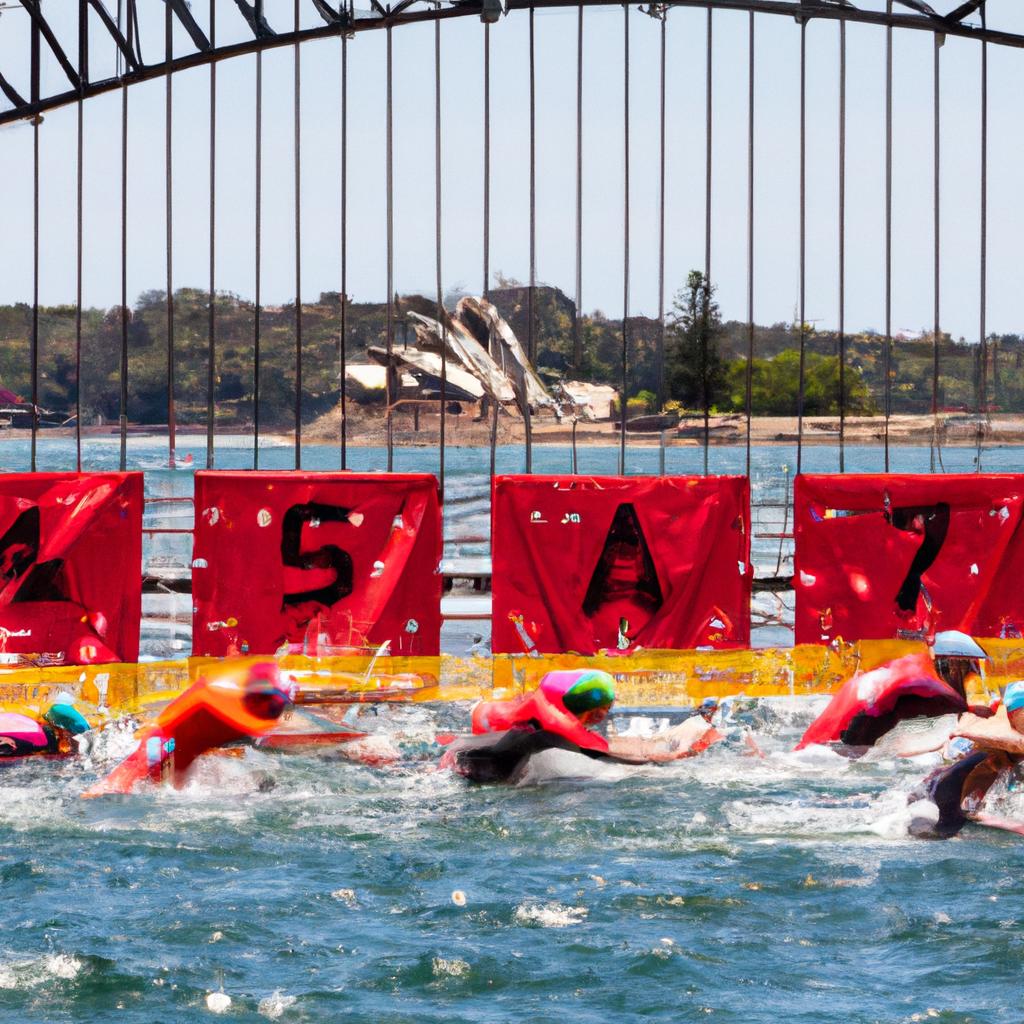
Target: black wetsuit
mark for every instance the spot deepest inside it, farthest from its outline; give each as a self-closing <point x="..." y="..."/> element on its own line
<point x="948" y="787"/>
<point x="498" y="756"/>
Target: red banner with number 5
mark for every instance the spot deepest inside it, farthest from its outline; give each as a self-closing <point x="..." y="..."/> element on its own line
<point x="886" y="556"/>
<point x="316" y="563"/>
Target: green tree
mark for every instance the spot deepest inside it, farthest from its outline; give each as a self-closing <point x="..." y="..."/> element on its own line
<point x="696" y="370"/>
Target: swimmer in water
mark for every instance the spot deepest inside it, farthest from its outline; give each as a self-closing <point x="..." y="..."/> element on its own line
<point x="871" y="704"/>
<point x="958" y="790"/>
<point x="563" y="712"/>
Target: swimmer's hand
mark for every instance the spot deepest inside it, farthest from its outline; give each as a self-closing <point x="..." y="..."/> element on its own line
<point x="990" y="734"/>
<point x="683" y="740"/>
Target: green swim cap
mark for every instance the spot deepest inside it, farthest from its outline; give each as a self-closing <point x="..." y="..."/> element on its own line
<point x="593" y="689"/>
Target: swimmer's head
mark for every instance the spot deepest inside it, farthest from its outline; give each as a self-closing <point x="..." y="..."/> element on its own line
<point x="1013" y="701"/>
<point x="590" y="696"/>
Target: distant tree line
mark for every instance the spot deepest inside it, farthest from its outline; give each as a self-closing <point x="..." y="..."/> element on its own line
<point x="705" y="358"/>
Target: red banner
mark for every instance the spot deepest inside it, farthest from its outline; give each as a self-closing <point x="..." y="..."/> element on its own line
<point x="321" y="563"/>
<point x="71" y="566"/>
<point x="905" y="556"/>
<point x="585" y="564"/>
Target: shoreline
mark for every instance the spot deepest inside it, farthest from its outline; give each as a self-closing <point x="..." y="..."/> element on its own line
<point x="723" y="431"/>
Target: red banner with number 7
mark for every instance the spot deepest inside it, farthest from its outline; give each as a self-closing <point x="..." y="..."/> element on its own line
<point x="887" y="556"/>
<point x="316" y="563"/>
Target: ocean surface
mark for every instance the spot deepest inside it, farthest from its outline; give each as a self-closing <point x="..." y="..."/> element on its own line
<point x="747" y="885"/>
<point x="731" y="887"/>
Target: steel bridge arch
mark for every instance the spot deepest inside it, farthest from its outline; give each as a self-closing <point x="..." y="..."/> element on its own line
<point x="122" y="29"/>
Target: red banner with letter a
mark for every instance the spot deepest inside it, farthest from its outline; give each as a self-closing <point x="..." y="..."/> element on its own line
<point x="904" y="556"/>
<point x="318" y="563"/>
<point x="71" y="566"/>
<point x="583" y="564"/>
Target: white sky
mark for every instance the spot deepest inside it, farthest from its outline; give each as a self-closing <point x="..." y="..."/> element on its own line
<point x="777" y="167"/>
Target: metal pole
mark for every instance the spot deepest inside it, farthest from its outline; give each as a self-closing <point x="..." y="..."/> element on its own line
<point x="343" y="339"/>
<point x="531" y="328"/>
<point x="577" y="340"/>
<point x="936" y="230"/>
<point x="78" y="297"/>
<point x="211" y="357"/>
<point x="842" y="247"/>
<point x="749" y="396"/>
<point x="661" y="215"/>
<point x="704" y="353"/>
<point x="258" y="310"/>
<point x="803" y="243"/>
<point x="983" y="410"/>
<point x="169" y="196"/>
<point x="123" y="417"/>
<point x="887" y="362"/>
<point x="390" y="232"/>
<point x="298" y="246"/>
<point x="487" y="161"/>
<point x="34" y="345"/>
<point x="441" y="317"/>
<point x="625" y="239"/>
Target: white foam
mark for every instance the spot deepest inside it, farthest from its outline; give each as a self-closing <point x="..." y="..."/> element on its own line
<point x="454" y="968"/>
<point x="274" y="1005"/>
<point x="26" y="974"/>
<point x="550" y="915"/>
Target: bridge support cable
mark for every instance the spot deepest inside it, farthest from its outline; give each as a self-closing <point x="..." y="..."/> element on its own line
<point x="343" y="335"/>
<point x="842" y="247"/>
<point x="169" y="198"/>
<point x="749" y="384"/>
<point x="708" y="100"/>
<point x="390" y="237"/>
<point x="257" y="244"/>
<point x="34" y="344"/>
<point x="298" y="243"/>
<point x="803" y="248"/>
<point x="661" y="210"/>
<point x="83" y="76"/>
<point x="936" y="450"/>
<point x="624" y="410"/>
<point x="79" y="177"/>
<point x="577" y="340"/>
<point x="441" y="316"/>
<point x="887" y="361"/>
<point x="487" y="217"/>
<point x="983" y="402"/>
<point x="531" y="328"/>
<point x="211" y="348"/>
<point x="123" y="406"/>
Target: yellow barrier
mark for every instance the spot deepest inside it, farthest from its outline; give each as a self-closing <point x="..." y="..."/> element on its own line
<point x="647" y="678"/>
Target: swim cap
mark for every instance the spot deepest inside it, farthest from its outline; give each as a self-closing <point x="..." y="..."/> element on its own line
<point x="580" y="691"/>
<point x="951" y="643"/>
<point x="1013" y="698"/>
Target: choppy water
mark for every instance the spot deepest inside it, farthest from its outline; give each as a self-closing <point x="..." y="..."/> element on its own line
<point x="726" y="888"/>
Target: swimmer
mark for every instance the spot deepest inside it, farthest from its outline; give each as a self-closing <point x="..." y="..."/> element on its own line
<point x="958" y="790"/>
<point x="562" y="713"/>
<point x="870" y="704"/>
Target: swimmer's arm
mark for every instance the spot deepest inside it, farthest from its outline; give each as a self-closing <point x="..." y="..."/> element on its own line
<point x="991" y="821"/>
<point x="683" y="740"/>
<point x="994" y="733"/>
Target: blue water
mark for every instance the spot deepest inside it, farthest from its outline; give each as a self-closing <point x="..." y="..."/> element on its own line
<point x="726" y="888"/>
<point x="730" y="888"/>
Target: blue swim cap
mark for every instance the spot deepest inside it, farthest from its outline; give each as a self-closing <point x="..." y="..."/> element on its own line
<point x="1013" y="697"/>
